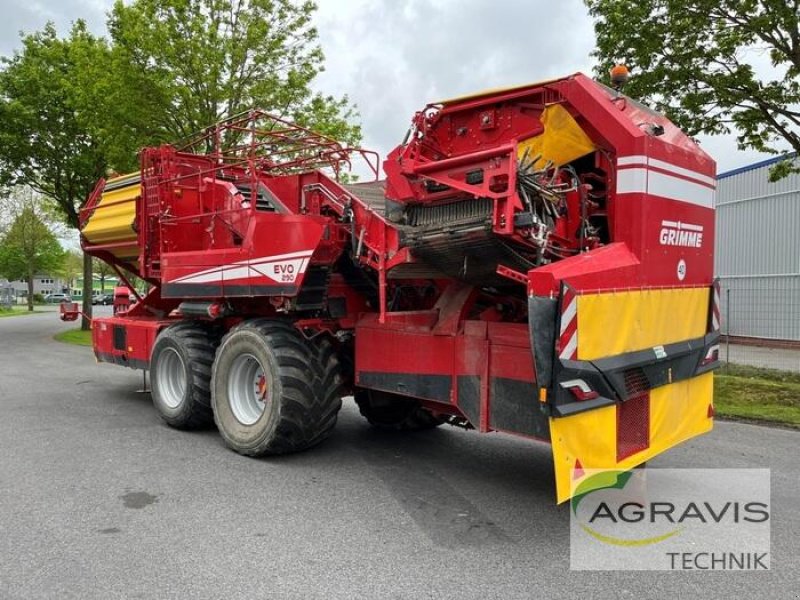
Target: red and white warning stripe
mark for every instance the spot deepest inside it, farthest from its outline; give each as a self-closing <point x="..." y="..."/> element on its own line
<point x="715" y="306"/>
<point x="568" y="337"/>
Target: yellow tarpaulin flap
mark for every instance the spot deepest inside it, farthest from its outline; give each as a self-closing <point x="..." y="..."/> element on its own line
<point x="615" y="323"/>
<point x="678" y="412"/>
<point x="562" y="141"/>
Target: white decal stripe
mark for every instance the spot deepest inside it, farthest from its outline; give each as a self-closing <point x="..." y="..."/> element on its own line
<point x="303" y="265"/>
<point x="568" y="315"/>
<point x="237" y="272"/>
<point x="263" y="260"/>
<point x="201" y="277"/>
<point x="632" y="181"/>
<point x="249" y="262"/>
<point x="679" y="225"/>
<point x="569" y="349"/>
<point x="639" y="181"/>
<point x="660" y="164"/>
<point x="667" y="186"/>
<point x="715" y="323"/>
<point x="640" y="159"/>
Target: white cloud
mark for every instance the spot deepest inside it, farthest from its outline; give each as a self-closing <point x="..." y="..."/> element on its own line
<point x="391" y="57"/>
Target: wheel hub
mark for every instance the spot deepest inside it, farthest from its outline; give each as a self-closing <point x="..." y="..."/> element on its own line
<point x="247" y="389"/>
<point x="171" y="374"/>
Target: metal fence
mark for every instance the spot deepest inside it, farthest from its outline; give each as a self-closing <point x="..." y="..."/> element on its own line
<point x="761" y="321"/>
<point x="7" y="296"/>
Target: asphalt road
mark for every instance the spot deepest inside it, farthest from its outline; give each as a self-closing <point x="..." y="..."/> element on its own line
<point x="99" y="499"/>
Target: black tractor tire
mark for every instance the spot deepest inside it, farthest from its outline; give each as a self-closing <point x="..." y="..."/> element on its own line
<point x="180" y="374"/>
<point x="393" y="412"/>
<point x="299" y="402"/>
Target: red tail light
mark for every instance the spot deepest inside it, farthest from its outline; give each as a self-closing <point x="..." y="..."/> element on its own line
<point x="580" y="389"/>
<point x="712" y="355"/>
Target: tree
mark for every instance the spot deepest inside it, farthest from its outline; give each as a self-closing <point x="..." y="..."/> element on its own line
<point x="72" y="108"/>
<point x="52" y="139"/>
<point x="72" y="267"/>
<point x="694" y="60"/>
<point x="29" y="247"/>
<point x="201" y="61"/>
<point x="104" y="270"/>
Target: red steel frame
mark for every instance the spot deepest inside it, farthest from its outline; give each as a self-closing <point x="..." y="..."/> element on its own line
<point x="201" y="238"/>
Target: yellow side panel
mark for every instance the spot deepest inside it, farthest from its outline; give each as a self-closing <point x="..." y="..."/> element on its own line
<point x="678" y="412"/>
<point x="562" y="141"/>
<point x="113" y="218"/>
<point x="618" y="322"/>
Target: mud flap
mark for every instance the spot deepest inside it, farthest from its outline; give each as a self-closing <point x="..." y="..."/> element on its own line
<point x="592" y="440"/>
<point x="650" y="413"/>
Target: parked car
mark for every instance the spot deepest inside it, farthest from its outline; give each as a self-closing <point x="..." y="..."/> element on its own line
<point x="103" y="299"/>
<point x="57" y="298"/>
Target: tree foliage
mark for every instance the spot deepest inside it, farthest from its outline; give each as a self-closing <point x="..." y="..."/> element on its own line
<point x="29" y="247"/>
<point x="699" y="62"/>
<point x="72" y="267"/>
<point x="201" y="61"/>
<point x="104" y="271"/>
<point x="50" y="139"/>
<point x="53" y="138"/>
<point x="73" y="107"/>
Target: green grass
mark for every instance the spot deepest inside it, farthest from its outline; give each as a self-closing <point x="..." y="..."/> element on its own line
<point x="17" y="311"/>
<point x="75" y="336"/>
<point x="755" y="394"/>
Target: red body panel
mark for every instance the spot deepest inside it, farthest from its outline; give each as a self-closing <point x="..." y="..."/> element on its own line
<point x="125" y="341"/>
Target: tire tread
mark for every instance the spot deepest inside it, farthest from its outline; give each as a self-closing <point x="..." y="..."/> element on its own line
<point x="309" y="405"/>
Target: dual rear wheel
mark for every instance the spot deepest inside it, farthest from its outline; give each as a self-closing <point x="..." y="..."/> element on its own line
<point x="269" y="390"/>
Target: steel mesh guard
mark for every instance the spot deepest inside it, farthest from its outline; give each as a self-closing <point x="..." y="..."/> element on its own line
<point x="633" y="425"/>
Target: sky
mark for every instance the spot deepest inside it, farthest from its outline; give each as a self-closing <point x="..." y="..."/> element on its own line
<point x="391" y="57"/>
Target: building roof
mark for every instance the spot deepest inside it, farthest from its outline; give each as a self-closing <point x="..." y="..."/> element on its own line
<point x="763" y="163"/>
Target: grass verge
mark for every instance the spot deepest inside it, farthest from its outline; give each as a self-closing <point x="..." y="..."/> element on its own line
<point x="75" y="336"/>
<point x="17" y="311"/>
<point x="754" y="394"/>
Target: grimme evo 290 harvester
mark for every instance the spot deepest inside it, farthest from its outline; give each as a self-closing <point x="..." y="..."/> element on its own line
<point x="537" y="260"/>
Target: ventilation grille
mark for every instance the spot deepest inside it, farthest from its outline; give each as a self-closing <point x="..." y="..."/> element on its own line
<point x="636" y="382"/>
<point x="633" y="426"/>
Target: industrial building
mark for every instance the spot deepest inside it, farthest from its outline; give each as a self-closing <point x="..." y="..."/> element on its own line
<point x="758" y="253"/>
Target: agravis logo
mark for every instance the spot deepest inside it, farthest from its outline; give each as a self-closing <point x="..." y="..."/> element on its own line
<point x="671" y="519"/>
<point x="611" y="480"/>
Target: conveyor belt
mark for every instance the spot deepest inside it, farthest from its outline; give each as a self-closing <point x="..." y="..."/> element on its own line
<point x="371" y="193"/>
<point x="453" y="238"/>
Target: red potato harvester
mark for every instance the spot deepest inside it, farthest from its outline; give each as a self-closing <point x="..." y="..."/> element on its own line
<point x="538" y="261"/>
